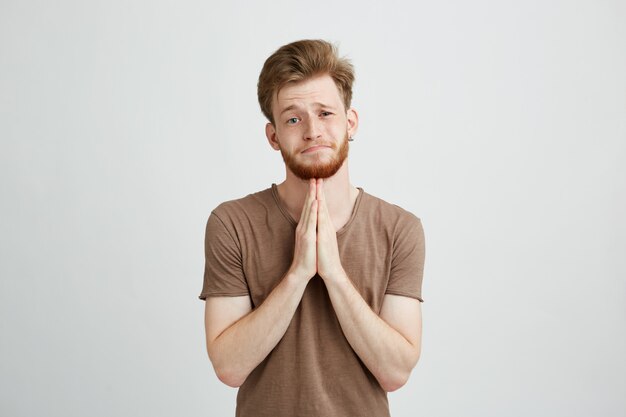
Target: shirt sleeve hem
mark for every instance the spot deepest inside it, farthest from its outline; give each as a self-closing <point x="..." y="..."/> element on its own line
<point x="203" y="296"/>
<point x="405" y="294"/>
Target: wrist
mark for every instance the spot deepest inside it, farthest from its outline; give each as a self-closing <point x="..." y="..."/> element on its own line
<point x="338" y="276"/>
<point x="297" y="275"/>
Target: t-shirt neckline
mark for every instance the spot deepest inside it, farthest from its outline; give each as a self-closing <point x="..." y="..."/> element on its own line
<point x="283" y="209"/>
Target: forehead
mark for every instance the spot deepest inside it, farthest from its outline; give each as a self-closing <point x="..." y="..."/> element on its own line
<point x="320" y="89"/>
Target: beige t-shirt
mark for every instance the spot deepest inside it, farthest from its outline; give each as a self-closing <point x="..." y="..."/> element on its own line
<point x="313" y="370"/>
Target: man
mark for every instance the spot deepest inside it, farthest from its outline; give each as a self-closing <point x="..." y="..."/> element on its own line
<point x="312" y="286"/>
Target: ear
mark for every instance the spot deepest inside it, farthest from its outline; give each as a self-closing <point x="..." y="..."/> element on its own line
<point x="353" y="121"/>
<point x="270" y="133"/>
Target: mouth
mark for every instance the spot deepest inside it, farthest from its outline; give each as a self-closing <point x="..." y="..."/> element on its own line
<point x="315" y="148"/>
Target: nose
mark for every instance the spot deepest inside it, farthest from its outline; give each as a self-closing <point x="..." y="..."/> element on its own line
<point x="312" y="130"/>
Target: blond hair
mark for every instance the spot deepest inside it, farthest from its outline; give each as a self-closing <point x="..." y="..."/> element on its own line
<point x="301" y="60"/>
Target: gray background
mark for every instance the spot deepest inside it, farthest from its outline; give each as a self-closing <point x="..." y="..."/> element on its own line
<point x="500" y="124"/>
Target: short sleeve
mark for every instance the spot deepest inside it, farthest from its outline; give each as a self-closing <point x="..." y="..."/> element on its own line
<point x="223" y="268"/>
<point x="407" y="263"/>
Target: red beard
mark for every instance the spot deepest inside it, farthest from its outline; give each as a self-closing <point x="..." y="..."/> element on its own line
<point x="317" y="169"/>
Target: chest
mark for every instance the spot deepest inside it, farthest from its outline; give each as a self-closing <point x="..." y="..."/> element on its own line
<point x="365" y="255"/>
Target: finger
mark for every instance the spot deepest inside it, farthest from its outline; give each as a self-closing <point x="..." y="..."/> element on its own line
<point x="321" y="200"/>
<point x="321" y="212"/>
<point x="306" y="208"/>
<point x="312" y="221"/>
<point x="312" y="188"/>
<point x="324" y="215"/>
<point x="319" y="189"/>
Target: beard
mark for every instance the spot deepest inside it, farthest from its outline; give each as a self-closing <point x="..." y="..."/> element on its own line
<point x="316" y="168"/>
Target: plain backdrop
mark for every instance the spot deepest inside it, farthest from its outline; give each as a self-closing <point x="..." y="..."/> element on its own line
<point x="501" y="124"/>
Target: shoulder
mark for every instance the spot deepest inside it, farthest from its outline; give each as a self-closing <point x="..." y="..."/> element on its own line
<point x="402" y="228"/>
<point x="252" y="205"/>
<point x="388" y="213"/>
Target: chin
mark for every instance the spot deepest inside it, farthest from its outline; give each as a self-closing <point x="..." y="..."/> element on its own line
<point x="326" y="168"/>
<point x="306" y="172"/>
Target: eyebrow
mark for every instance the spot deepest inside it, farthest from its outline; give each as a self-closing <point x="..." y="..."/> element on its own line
<point x="317" y="103"/>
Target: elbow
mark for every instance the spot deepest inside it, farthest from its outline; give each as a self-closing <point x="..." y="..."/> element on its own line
<point x="229" y="378"/>
<point x="226" y="373"/>
<point x="395" y="382"/>
<point x="399" y="378"/>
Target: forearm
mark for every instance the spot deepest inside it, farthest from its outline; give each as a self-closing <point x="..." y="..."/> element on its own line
<point x="245" y="344"/>
<point x="386" y="353"/>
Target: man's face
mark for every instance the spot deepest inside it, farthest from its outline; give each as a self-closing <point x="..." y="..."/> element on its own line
<point x="311" y="127"/>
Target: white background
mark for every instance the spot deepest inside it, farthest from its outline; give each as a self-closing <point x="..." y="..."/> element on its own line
<point x="502" y="125"/>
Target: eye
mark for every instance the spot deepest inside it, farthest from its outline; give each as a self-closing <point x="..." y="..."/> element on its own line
<point x="326" y="113"/>
<point x="292" y="120"/>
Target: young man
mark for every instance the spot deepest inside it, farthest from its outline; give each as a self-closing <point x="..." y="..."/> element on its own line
<point x="312" y="286"/>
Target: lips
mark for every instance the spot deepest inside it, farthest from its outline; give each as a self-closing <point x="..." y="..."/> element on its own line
<point x="314" y="148"/>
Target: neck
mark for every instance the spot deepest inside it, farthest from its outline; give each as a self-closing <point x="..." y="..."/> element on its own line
<point x="340" y="195"/>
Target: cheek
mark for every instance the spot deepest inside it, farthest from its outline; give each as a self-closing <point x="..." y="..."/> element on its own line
<point x="286" y="143"/>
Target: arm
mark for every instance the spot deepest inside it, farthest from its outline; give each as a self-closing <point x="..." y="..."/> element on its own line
<point x="388" y="345"/>
<point x="238" y="338"/>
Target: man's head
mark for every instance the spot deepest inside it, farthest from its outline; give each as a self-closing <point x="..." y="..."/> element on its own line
<point x="299" y="61"/>
<point x="305" y="91"/>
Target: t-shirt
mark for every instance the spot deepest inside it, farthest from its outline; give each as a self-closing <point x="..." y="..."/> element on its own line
<point x="313" y="370"/>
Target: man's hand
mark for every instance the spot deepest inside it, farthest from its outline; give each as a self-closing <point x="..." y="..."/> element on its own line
<point x="316" y="249"/>
<point x="304" y="257"/>
<point x="328" y="261"/>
